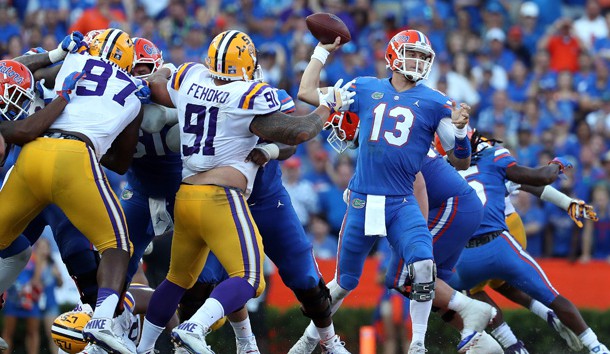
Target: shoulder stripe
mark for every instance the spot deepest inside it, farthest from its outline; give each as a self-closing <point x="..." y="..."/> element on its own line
<point x="501" y="151"/>
<point x="247" y="100"/>
<point x="180" y="74"/>
<point x="500" y="157"/>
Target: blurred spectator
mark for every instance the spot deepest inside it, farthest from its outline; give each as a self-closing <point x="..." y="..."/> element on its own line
<point x="324" y="244"/>
<point x="499" y="120"/>
<point x="99" y="17"/>
<point x="331" y="202"/>
<point x="48" y="276"/>
<point x="484" y="87"/>
<point x="526" y="151"/>
<point x="596" y="235"/>
<point x="514" y="42"/>
<point x="320" y="165"/>
<point x="495" y="39"/>
<point x="529" y="26"/>
<point x="587" y="174"/>
<point x="566" y="98"/>
<point x="459" y="87"/>
<point x="304" y="199"/>
<point x="538" y="121"/>
<point x="518" y="86"/>
<point x="533" y="220"/>
<point x="195" y="44"/>
<point x="22" y="303"/>
<point x="8" y="27"/>
<point x="272" y="59"/>
<point x="349" y="65"/>
<point x="599" y="120"/>
<point x="563" y="46"/>
<point x="499" y="77"/>
<point x="591" y="25"/>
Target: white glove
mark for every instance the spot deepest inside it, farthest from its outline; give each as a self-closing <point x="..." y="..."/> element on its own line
<point x="338" y="98"/>
<point x="170" y="66"/>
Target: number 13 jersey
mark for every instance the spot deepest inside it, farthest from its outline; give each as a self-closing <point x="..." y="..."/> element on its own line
<point x="215" y="119"/>
<point x="104" y="103"/>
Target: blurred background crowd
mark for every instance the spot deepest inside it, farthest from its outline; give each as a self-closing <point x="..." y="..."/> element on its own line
<point x="537" y="74"/>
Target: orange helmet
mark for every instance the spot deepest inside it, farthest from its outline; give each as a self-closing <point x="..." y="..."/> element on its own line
<point x="344" y="130"/>
<point x="114" y="45"/>
<point x="398" y="60"/>
<point x="147" y="53"/>
<point x="16" y="89"/>
<point x="88" y="38"/>
<point x="232" y="56"/>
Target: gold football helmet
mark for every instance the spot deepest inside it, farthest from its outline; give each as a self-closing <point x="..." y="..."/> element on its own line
<point x="114" y="45"/>
<point x="66" y="331"/>
<point x="232" y="56"/>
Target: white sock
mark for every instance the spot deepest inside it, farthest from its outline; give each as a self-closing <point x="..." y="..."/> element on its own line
<point x="504" y="335"/>
<point x="107" y="307"/>
<point x="589" y="338"/>
<point x="420" y="311"/>
<point x="419" y="333"/>
<point x="242" y="329"/>
<point x="539" y="309"/>
<point x="312" y="331"/>
<point x="150" y="333"/>
<point x="210" y="312"/>
<point x="326" y="333"/>
<point x="458" y="301"/>
<point x="11" y="267"/>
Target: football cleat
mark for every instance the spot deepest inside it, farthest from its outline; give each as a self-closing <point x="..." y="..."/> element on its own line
<point x="93" y="349"/>
<point x="247" y="345"/>
<point x="570" y="337"/>
<point x="476" y="315"/>
<point x="99" y="331"/>
<point x="3" y="344"/>
<point x="486" y="345"/>
<point x="333" y="345"/>
<point x="417" y="348"/>
<point x="191" y="336"/>
<point x="305" y="345"/>
<point x="517" y="348"/>
<point x="468" y="342"/>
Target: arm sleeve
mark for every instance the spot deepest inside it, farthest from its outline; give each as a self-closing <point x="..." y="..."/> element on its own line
<point x="446" y="134"/>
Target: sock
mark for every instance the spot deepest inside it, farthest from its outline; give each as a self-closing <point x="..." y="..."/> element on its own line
<point x="419" y="333"/>
<point x="11" y="267"/>
<point x="539" y="309"/>
<point x="210" y="312"/>
<point x="242" y="329"/>
<point x="107" y="299"/>
<point x="504" y="335"/>
<point x="589" y="338"/>
<point x="420" y="310"/>
<point x="232" y="294"/>
<point x="163" y="303"/>
<point x="129" y="302"/>
<point x="150" y="333"/>
<point x="458" y="301"/>
<point x="326" y="333"/>
<point x="312" y="331"/>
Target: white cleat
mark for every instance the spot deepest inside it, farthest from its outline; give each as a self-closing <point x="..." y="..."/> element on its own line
<point x="99" y="331"/>
<point x="333" y="345"/>
<point x="3" y="344"/>
<point x="469" y="341"/>
<point x="476" y="315"/>
<point x="600" y="349"/>
<point x="247" y="345"/>
<point x="305" y="345"/>
<point x="486" y="345"/>
<point x="191" y="337"/>
<point x="417" y="348"/>
<point x="570" y="337"/>
<point x="93" y="349"/>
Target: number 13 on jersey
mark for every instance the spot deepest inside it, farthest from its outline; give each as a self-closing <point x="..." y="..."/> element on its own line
<point x="402" y="128"/>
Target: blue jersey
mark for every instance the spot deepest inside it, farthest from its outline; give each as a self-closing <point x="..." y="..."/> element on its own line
<point x="487" y="175"/>
<point x="268" y="182"/>
<point x="156" y="171"/>
<point x="396" y="129"/>
<point x="443" y="180"/>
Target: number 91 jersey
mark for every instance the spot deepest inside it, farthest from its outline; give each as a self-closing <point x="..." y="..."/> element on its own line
<point x="104" y="104"/>
<point x="215" y="119"/>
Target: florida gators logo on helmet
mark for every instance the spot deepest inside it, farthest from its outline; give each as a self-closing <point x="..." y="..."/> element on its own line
<point x="399" y="60"/>
<point x="147" y="53"/>
<point x="16" y="90"/>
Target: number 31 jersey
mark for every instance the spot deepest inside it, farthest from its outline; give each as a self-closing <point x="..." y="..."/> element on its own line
<point x="104" y="103"/>
<point x="215" y="119"/>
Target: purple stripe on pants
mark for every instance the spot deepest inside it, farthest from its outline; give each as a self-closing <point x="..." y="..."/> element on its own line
<point x="240" y="232"/>
<point x="257" y="252"/>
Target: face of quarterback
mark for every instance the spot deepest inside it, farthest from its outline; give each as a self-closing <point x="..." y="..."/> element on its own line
<point x="142" y="69"/>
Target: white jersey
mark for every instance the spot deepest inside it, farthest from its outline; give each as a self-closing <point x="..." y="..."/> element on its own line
<point x="104" y="102"/>
<point x="215" y="120"/>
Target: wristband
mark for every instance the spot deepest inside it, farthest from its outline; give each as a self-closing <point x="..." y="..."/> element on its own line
<point x="461" y="149"/>
<point x="552" y="195"/>
<point x="57" y="55"/>
<point x="321" y="54"/>
<point x="272" y="150"/>
<point x="460" y="133"/>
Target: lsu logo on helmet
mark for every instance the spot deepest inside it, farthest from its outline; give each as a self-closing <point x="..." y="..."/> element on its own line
<point x="66" y="331"/>
<point x="16" y="90"/>
<point x="114" y="45"/>
<point x="232" y="56"/>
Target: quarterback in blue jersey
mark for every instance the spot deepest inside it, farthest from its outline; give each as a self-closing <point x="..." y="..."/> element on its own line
<point x="398" y="119"/>
<point x="492" y="253"/>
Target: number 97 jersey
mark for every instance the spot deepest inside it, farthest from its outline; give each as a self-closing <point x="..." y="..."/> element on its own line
<point x="215" y="119"/>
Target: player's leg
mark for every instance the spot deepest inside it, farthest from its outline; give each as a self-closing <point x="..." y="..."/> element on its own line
<point x="290" y="250"/>
<point x="82" y="191"/>
<point x="137" y="213"/>
<point x="410" y="238"/>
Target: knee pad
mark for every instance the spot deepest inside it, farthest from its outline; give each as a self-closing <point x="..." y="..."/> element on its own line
<point x="193" y="299"/>
<point x="423" y="276"/>
<point x="315" y="302"/>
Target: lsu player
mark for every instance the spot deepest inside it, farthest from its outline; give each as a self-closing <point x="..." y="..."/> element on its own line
<point x="63" y="165"/>
<point x="398" y="122"/>
<point x="493" y="253"/>
<point x="222" y="112"/>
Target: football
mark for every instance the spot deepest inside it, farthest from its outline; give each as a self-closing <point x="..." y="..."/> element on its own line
<point x="326" y="27"/>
